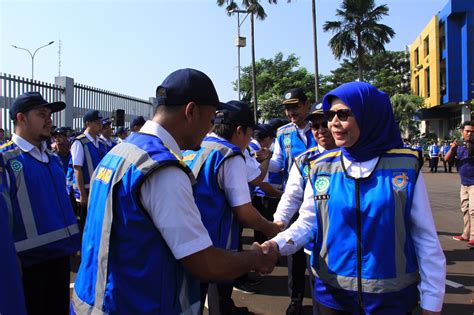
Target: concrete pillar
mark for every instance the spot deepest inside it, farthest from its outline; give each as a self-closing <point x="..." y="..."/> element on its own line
<point x="67" y="115"/>
<point x="465" y="112"/>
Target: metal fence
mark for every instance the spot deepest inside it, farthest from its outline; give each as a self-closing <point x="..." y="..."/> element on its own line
<point x="79" y="98"/>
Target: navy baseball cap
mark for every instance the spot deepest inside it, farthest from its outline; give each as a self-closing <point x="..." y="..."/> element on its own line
<point x="31" y="100"/>
<point x="316" y="110"/>
<point x="294" y="96"/>
<point x="106" y="121"/>
<point x="187" y="85"/>
<point x="263" y="131"/>
<point x="92" y="115"/>
<point x="60" y="131"/>
<point x="276" y="123"/>
<point x="138" y="121"/>
<point x="121" y="130"/>
<point x="234" y="113"/>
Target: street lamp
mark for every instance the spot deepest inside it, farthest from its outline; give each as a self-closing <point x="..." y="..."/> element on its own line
<point x="239" y="42"/>
<point x="32" y="55"/>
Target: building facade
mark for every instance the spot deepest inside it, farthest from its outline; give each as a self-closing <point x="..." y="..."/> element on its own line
<point x="442" y="68"/>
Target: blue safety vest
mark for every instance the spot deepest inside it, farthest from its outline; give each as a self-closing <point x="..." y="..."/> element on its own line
<point x="216" y="213"/>
<point x="274" y="178"/>
<point x="44" y="225"/>
<point x="92" y="157"/>
<point x="127" y="267"/>
<point x="291" y="145"/>
<point x="364" y="256"/>
<point x="12" y="300"/>
<point x="434" y="150"/>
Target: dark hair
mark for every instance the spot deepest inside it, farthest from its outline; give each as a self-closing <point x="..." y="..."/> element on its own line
<point x="259" y="136"/>
<point x="226" y="131"/>
<point x="466" y="123"/>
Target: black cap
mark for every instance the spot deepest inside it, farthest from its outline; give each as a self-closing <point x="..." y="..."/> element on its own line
<point x="60" y="131"/>
<point x="138" y="121"/>
<point x="316" y="110"/>
<point x="106" y="121"/>
<point x="32" y="100"/>
<point x="234" y="113"/>
<point x="121" y="130"/>
<point x="92" y="115"/>
<point x="294" y="96"/>
<point x="276" y="123"/>
<point x="184" y="86"/>
<point x="264" y="130"/>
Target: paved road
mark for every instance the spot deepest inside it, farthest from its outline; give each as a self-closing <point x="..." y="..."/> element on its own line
<point x="443" y="190"/>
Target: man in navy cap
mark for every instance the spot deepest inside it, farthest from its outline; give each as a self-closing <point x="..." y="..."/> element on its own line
<point x="32" y="188"/>
<point x="292" y="140"/>
<point x="144" y="242"/>
<point x="137" y="123"/>
<point x="61" y="146"/>
<point x="222" y="193"/>
<point x="106" y="134"/>
<point x="86" y="152"/>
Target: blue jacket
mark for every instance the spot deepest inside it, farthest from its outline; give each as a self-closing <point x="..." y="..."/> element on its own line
<point x="364" y="256"/>
<point x="127" y="267"/>
<point x="292" y="145"/>
<point x="216" y="213"/>
<point x="92" y="157"/>
<point x="44" y="224"/>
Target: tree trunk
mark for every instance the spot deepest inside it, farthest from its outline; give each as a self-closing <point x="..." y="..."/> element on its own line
<point x="254" y="75"/>
<point x="360" y="57"/>
<point x="315" y="40"/>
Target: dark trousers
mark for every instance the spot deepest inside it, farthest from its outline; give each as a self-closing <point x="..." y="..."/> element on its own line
<point x="434" y="164"/>
<point x="267" y="207"/>
<point x="46" y="287"/>
<point x="448" y="166"/>
<point x="296" y="275"/>
<point x="324" y="310"/>
<point x="311" y="283"/>
<point x="219" y="298"/>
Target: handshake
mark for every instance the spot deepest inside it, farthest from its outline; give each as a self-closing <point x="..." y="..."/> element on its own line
<point x="265" y="256"/>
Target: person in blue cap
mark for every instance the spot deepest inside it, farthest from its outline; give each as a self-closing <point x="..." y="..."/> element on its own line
<point x="144" y="245"/>
<point x="86" y="152"/>
<point x="366" y="207"/>
<point x="137" y="123"/>
<point x="33" y="191"/>
<point x="122" y="134"/>
<point x="292" y="140"/>
<point x="106" y="134"/>
<point x="61" y="146"/>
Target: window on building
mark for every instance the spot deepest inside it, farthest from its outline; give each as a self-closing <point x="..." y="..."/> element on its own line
<point x="426" y="45"/>
<point x="417" y="85"/>
<point x="427" y="82"/>
<point x="417" y="57"/>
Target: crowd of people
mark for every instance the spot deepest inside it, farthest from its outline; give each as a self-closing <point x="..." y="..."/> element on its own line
<point x="156" y="216"/>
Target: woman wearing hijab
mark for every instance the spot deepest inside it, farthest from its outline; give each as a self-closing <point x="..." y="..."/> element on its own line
<point x="376" y="250"/>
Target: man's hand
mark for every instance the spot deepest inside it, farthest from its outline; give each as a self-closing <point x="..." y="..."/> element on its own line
<point x="281" y="224"/>
<point x="426" y="312"/>
<point x="263" y="154"/>
<point x="273" y="230"/>
<point x="269" y="247"/>
<point x="83" y="199"/>
<point x="454" y="144"/>
<point x="265" y="262"/>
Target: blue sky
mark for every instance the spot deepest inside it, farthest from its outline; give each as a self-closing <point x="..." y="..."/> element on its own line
<point x="129" y="47"/>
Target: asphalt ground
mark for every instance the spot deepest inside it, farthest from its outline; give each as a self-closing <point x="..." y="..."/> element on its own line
<point x="443" y="189"/>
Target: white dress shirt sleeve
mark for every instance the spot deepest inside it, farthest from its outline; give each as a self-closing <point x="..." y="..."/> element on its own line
<point x="252" y="165"/>
<point x="77" y="153"/>
<point x="230" y="180"/>
<point x="302" y="230"/>
<point x="168" y="197"/>
<point x="276" y="162"/>
<point x="292" y="198"/>
<point x="431" y="260"/>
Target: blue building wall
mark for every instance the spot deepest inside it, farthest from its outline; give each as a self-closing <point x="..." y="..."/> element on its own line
<point x="458" y="19"/>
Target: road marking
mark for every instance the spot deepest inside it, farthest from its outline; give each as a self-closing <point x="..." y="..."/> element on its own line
<point x="71" y="285"/>
<point x="453" y="284"/>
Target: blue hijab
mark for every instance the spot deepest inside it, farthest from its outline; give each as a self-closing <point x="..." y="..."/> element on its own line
<point x="373" y="112"/>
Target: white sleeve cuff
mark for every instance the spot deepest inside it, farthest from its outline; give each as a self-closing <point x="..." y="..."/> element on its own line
<point x="431" y="303"/>
<point x="285" y="248"/>
<point x="192" y="247"/>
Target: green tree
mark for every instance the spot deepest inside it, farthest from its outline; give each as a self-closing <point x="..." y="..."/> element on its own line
<point x="274" y="77"/>
<point x="358" y="33"/>
<point x="270" y="108"/>
<point x="405" y="109"/>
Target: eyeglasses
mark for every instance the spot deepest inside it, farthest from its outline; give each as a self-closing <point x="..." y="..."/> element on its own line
<point x="342" y="114"/>
<point x="316" y="126"/>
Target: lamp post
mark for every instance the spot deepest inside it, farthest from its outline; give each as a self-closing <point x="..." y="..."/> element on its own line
<point x="32" y="55"/>
<point x="239" y="42"/>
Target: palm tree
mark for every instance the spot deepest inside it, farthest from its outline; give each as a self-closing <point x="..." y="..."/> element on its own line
<point x="255" y="9"/>
<point x="358" y="32"/>
<point x="405" y="109"/>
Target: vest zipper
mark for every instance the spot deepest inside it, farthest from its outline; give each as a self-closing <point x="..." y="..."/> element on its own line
<point x="359" y="247"/>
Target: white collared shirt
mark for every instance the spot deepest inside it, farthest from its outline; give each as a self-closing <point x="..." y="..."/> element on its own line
<point x="77" y="150"/>
<point x="431" y="260"/>
<point x="37" y="153"/>
<point x="167" y="195"/>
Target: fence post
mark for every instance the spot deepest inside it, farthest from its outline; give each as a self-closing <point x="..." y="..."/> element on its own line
<point x="67" y="115"/>
<point x="152" y="106"/>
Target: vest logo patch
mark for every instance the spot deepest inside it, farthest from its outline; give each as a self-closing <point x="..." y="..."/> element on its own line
<point x="400" y="181"/>
<point x="287" y="141"/>
<point x="104" y="174"/>
<point x="321" y="197"/>
<point x="16" y="165"/>
<point x="322" y="184"/>
<point x="189" y="157"/>
<point x="306" y="171"/>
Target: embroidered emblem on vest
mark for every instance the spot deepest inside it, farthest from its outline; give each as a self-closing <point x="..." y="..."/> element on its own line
<point x="322" y="184"/>
<point x="305" y="171"/>
<point x="400" y="181"/>
<point x="104" y="174"/>
<point x="287" y="141"/>
<point x="16" y="165"/>
<point x="189" y="157"/>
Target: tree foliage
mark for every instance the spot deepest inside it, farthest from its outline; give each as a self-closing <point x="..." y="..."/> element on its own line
<point x="358" y="32"/>
<point x="405" y="108"/>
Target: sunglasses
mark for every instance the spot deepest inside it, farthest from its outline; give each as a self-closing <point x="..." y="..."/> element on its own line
<point x="342" y="114"/>
<point x="316" y="126"/>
